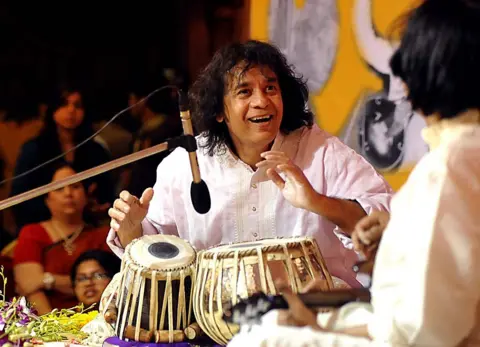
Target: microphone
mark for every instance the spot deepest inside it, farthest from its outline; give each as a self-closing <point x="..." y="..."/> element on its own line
<point x="198" y="190"/>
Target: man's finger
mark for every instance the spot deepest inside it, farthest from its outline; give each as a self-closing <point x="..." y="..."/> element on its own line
<point x="316" y="285"/>
<point x="114" y="225"/>
<point x="278" y="158"/>
<point x="127" y="197"/>
<point x="276" y="178"/>
<point x="264" y="154"/>
<point x="292" y="171"/>
<point x="121" y="206"/>
<point x="272" y="163"/>
<point x="294" y="303"/>
<point x="357" y="243"/>
<point x="116" y="214"/>
<point x="147" y="196"/>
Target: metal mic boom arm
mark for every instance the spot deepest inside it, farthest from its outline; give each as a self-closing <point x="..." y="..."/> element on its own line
<point x="186" y="141"/>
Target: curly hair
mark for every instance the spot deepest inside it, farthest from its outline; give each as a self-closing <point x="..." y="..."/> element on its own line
<point x="208" y="91"/>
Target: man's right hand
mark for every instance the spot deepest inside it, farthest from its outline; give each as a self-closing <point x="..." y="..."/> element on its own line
<point x="368" y="232"/>
<point x="127" y="214"/>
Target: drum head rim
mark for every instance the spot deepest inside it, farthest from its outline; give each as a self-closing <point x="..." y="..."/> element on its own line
<point x="175" y="240"/>
<point x="270" y="244"/>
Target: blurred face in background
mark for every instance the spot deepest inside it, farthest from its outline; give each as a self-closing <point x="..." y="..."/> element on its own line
<point x="70" y="115"/>
<point x="69" y="201"/>
<point x="137" y="110"/>
<point x="90" y="282"/>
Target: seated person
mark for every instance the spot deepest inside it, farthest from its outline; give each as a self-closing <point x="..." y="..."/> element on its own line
<point x="426" y="283"/>
<point x="91" y="273"/>
<point x="46" y="251"/>
<point x="250" y="107"/>
<point x="66" y="125"/>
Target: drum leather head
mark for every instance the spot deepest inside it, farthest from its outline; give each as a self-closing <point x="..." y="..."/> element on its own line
<point x="161" y="252"/>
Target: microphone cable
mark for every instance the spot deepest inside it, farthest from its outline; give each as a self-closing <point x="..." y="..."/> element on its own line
<point x="170" y="86"/>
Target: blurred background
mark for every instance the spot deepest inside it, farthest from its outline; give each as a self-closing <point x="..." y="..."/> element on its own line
<point x="95" y="59"/>
<point x="109" y="51"/>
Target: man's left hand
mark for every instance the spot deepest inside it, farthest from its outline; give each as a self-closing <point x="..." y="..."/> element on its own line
<point x="295" y="188"/>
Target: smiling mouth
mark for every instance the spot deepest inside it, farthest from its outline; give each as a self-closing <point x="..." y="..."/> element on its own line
<point x="90" y="293"/>
<point x="262" y="119"/>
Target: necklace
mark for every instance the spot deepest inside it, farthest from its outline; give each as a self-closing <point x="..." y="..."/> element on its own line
<point x="68" y="241"/>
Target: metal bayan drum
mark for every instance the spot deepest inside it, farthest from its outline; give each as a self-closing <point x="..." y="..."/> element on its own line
<point x="228" y="272"/>
<point x="154" y="300"/>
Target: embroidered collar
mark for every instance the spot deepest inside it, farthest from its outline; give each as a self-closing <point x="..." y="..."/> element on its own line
<point x="285" y="143"/>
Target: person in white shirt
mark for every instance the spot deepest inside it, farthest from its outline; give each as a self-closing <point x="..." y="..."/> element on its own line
<point x="426" y="279"/>
<point x="250" y="107"/>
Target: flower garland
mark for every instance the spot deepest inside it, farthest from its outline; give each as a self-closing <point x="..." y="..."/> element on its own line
<point x="21" y="326"/>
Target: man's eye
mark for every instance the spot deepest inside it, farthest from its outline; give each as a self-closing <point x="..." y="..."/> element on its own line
<point x="243" y="92"/>
<point x="271" y="88"/>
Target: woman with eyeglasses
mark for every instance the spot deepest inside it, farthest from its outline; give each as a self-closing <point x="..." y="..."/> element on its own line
<point x="91" y="273"/>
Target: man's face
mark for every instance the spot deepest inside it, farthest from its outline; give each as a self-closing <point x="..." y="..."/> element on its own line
<point x="253" y="107"/>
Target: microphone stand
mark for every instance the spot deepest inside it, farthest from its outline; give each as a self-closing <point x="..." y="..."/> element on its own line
<point x="187" y="142"/>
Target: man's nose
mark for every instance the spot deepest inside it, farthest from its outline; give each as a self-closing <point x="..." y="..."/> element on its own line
<point x="260" y="99"/>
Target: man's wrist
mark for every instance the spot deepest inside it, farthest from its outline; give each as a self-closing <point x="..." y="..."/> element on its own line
<point x="126" y="237"/>
<point x="48" y="281"/>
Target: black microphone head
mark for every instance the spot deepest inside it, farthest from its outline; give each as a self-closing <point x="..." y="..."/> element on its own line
<point x="200" y="197"/>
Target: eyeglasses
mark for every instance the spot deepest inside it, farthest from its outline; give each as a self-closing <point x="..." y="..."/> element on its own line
<point x="96" y="277"/>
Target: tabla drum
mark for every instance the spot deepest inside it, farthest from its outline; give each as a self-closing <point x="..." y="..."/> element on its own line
<point x="229" y="272"/>
<point x="154" y="299"/>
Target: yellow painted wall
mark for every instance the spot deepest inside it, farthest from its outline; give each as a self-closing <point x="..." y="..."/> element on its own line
<point x="350" y="76"/>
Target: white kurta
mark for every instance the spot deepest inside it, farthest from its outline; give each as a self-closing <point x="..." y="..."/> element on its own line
<point x="426" y="280"/>
<point x="247" y="206"/>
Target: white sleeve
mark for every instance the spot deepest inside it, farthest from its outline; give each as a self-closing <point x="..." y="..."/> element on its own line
<point x="269" y="334"/>
<point x="160" y="218"/>
<point x="436" y="234"/>
<point x="374" y="49"/>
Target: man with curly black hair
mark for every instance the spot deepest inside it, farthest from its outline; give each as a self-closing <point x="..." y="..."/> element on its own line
<point x="250" y="109"/>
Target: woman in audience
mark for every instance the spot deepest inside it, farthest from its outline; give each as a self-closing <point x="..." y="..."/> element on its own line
<point x="66" y="125"/>
<point x="46" y="251"/>
<point x="91" y="273"/>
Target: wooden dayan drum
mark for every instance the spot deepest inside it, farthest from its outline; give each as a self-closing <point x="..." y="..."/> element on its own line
<point x="155" y="297"/>
<point x="228" y="272"/>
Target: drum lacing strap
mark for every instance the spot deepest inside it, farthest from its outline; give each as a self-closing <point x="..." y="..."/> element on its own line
<point x="193" y="278"/>
<point x="127" y="302"/>
<point x="212" y="292"/>
<point x="164" y="304"/>
<point x="235" y="277"/>
<point x="136" y="288"/>
<point x="261" y="269"/>
<point x="120" y="296"/>
<point x="309" y="262"/>
<point x="153" y="316"/>
<point x="322" y="264"/>
<point x="181" y="309"/>
<point x="140" y="309"/>
<point x="112" y="294"/>
<point x="291" y="276"/>
<point x="199" y="293"/>
<point x="170" y="308"/>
